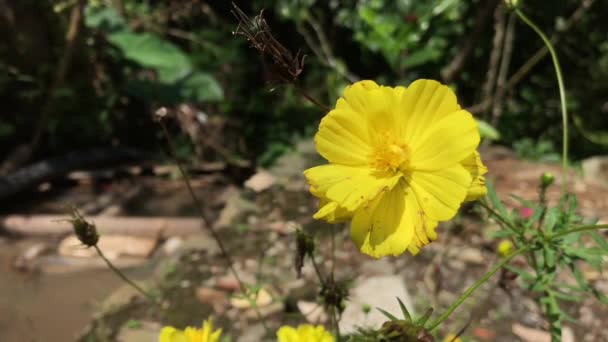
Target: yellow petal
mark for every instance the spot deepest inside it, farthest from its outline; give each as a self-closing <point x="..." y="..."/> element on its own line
<point x="440" y="193"/>
<point x="350" y="187"/>
<point x="287" y="334"/>
<point x="447" y="142"/>
<point x="386" y="226"/>
<point x="475" y="166"/>
<point x="423" y="104"/>
<point x="170" y="334"/>
<point x="343" y="138"/>
<point x="355" y="95"/>
<point x="331" y="212"/>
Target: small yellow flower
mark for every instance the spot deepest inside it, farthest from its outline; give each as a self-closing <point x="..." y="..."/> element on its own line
<point x="504" y="248"/>
<point x="452" y="338"/>
<point x="304" y="333"/>
<point x="400" y="160"/>
<point x="190" y="334"/>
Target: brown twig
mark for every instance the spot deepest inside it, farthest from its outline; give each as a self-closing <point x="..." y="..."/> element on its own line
<point x="287" y="65"/>
<point x="497" y="106"/>
<point x="323" y="50"/>
<point x="21" y="155"/>
<point x="453" y="70"/>
<point x="524" y="70"/>
<point x="493" y="65"/>
<point x="207" y="222"/>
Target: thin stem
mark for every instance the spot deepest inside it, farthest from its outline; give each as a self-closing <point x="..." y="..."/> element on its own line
<point x="499" y="217"/>
<point x="307" y="96"/>
<point x="474" y="287"/>
<point x="317" y="270"/>
<point x="206" y="223"/>
<point x="562" y="94"/>
<point x="578" y="230"/>
<point x="124" y="277"/>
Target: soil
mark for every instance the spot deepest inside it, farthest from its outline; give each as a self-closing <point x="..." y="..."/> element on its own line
<point x="261" y="241"/>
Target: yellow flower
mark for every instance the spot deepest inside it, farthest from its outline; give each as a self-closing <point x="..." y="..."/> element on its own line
<point x="452" y="338"/>
<point x="304" y="333"/>
<point x="400" y="161"/>
<point x="504" y="248"/>
<point x="190" y="334"/>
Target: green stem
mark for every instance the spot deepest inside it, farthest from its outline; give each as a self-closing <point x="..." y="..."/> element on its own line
<point x="578" y="230"/>
<point x="124" y="277"/>
<point x="207" y="223"/>
<point x="500" y="218"/>
<point x="474" y="287"/>
<point x="562" y="94"/>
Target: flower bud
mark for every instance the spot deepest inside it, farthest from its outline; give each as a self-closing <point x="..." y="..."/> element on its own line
<point x="547" y="179"/>
<point x="526" y="212"/>
<point x="511" y="3"/>
<point x="504" y="248"/>
<point x="85" y="232"/>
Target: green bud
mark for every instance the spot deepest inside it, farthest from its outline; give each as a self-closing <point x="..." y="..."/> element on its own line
<point x="305" y="246"/>
<point x="547" y="179"/>
<point x="511" y="3"/>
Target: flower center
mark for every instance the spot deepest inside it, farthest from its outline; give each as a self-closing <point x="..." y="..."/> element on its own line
<point x="390" y="155"/>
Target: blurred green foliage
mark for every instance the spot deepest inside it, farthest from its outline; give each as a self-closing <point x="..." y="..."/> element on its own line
<point x="134" y="56"/>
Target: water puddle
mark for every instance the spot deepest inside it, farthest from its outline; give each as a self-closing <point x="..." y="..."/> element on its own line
<point x="47" y="307"/>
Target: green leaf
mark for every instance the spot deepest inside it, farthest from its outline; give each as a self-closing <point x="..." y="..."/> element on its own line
<point x="104" y="18"/>
<point x="201" y="87"/>
<point x="425" y="317"/>
<point x="495" y="201"/>
<point x="601" y="242"/>
<point x="421" y="56"/>
<point x="520" y="272"/>
<point x="551" y="218"/>
<point x="151" y="51"/>
<point x="406" y="313"/>
<point x="567" y="297"/>
<point x="550" y="257"/>
<point x="388" y="314"/>
<point x="487" y="131"/>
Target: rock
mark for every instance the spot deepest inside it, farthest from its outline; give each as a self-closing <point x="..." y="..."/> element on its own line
<point x="381" y="267"/>
<point x="57" y="264"/>
<point x="139" y="332"/>
<point x="265" y="311"/>
<point x="530" y="334"/>
<point x="25" y="261"/>
<point x="567" y="334"/>
<point x="484" y="334"/>
<point x="262" y="299"/>
<point x="260" y="181"/>
<point x="471" y="256"/>
<point x="227" y="282"/>
<point x="596" y="169"/>
<point x="379" y="291"/>
<point x="172" y="245"/>
<point x="284" y="227"/>
<point x="312" y="311"/>
<point x="113" y="246"/>
<point x="236" y="208"/>
<point x="254" y="333"/>
<point x="201" y="241"/>
<point x="216" y="298"/>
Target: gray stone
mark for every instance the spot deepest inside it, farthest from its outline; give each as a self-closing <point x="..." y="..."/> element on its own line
<point x="253" y="333"/>
<point x="145" y="332"/>
<point x="596" y="169"/>
<point x="236" y="208"/>
<point x="375" y="292"/>
<point x="260" y="181"/>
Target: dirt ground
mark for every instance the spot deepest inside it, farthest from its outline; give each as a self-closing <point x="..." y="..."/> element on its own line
<point x="258" y="228"/>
